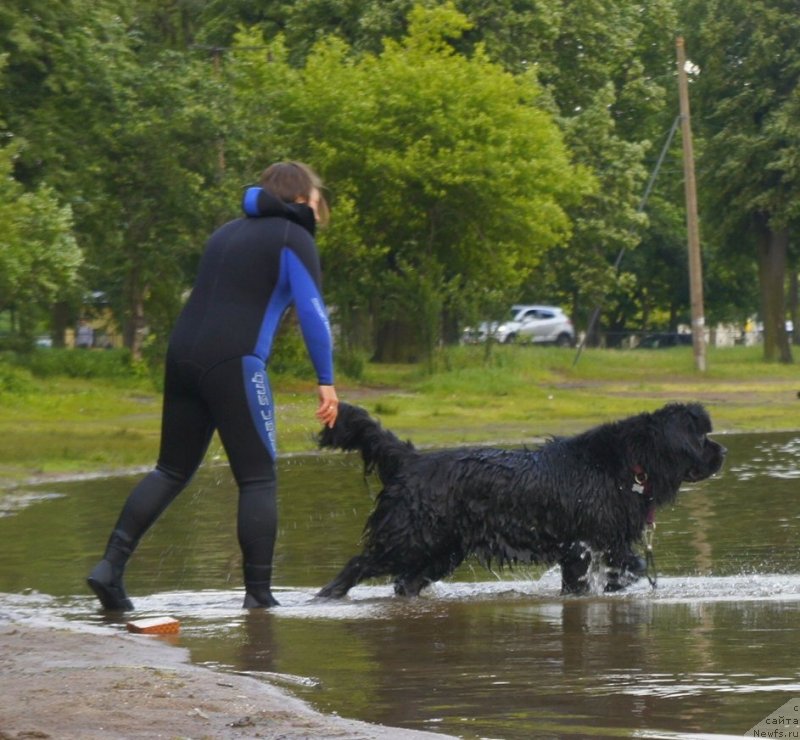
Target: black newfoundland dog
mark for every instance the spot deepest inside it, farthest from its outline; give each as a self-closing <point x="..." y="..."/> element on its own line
<point x="569" y="501"/>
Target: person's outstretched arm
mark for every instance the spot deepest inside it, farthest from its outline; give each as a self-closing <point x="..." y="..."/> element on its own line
<point x="313" y="318"/>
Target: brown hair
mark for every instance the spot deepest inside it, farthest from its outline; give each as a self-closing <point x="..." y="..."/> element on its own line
<point x="292" y="180"/>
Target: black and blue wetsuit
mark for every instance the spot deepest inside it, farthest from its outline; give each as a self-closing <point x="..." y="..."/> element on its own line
<point x="252" y="270"/>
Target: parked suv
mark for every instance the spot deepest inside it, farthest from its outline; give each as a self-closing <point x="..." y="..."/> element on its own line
<point x="535" y="324"/>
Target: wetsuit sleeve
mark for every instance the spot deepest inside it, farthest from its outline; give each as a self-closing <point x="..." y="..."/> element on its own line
<point x="311" y="311"/>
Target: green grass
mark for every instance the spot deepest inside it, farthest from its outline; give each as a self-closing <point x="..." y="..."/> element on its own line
<point x="524" y="392"/>
<point x="66" y="425"/>
<point x="69" y="425"/>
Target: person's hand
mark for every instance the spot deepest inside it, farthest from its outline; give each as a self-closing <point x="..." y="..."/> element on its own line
<point x="328" y="407"/>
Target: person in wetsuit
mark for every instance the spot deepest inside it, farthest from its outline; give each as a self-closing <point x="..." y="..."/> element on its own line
<point x="252" y="270"/>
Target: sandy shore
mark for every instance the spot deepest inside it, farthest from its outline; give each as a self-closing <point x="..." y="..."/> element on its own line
<point x="56" y="682"/>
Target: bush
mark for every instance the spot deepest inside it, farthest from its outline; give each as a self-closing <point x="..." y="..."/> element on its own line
<point x="351" y="363"/>
<point x="80" y="363"/>
<point x="15" y="380"/>
<point x="289" y="356"/>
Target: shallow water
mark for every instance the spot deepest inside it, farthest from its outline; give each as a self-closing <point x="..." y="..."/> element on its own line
<point x="710" y="652"/>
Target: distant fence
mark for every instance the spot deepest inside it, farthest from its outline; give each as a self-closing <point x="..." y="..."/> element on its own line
<point x="719" y="336"/>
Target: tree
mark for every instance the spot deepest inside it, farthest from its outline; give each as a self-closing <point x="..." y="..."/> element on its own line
<point x="39" y="258"/>
<point x="607" y="66"/>
<point x="747" y="105"/>
<point x="434" y="129"/>
<point x="158" y="193"/>
<point x="460" y="179"/>
<point x="130" y="133"/>
<point x="603" y="67"/>
<point x="361" y="24"/>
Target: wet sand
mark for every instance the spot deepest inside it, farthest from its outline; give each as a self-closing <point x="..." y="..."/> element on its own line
<point x="57" y="682"/>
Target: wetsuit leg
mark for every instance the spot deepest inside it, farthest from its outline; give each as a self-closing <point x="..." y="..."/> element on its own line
<point x="186" y="430"/>
<point x="240" y="399"/>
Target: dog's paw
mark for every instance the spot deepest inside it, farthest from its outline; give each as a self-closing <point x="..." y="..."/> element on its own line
<point x="333" y="591"/>
<point x="618" y="579"/>
<point x="623" y="572"/>
<point x="575" y="589"/>
<point x="635" y="565"/>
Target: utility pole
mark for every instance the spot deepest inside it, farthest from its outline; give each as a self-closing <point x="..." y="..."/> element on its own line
<point x="690" y="189"/>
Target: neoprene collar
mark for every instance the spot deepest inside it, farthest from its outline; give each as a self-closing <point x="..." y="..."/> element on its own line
<point x="258" y="203"/>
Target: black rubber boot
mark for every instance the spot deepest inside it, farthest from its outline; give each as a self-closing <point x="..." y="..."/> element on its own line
<point x="106" y="577"/>
<point x="258" y="587"/>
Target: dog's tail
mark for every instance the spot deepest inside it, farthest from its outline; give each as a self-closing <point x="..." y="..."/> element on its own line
<point x="355" y="429"/>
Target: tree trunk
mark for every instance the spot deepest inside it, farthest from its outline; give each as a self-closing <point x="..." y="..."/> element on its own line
<point x="135" y="325"/>
<point x="593" y="336"/>
<point x="772" y="259"/>
<point x="794" y="298"/>
<point x="61" y="315"/>
<point x="398" y="341"/>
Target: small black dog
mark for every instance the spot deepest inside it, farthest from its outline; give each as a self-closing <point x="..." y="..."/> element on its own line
<point x="592" y="493"/>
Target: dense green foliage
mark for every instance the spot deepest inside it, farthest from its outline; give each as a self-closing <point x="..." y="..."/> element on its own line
<point x="476" y="154"/>
<point x="39" y="256"/>
<point x="452" y="179"/>
<point x="749" y="98"/>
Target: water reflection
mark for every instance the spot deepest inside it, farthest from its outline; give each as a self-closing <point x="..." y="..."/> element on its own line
<point x="713" y="650"/>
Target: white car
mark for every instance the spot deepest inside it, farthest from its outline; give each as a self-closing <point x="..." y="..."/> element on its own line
<point x="534" y="324"/>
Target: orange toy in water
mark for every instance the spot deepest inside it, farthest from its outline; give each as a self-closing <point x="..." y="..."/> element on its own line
<point x="155" y="626"/>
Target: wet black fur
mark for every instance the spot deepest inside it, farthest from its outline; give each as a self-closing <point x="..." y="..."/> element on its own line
<point x="556" y="504"/>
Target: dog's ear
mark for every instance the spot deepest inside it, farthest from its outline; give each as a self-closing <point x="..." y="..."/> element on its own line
<point x="700" y="416"/>
<point x="688" y="426"/>
<point x="673" y="434"/>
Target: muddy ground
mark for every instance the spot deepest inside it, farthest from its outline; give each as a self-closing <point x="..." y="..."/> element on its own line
<point x="57" y="682"/>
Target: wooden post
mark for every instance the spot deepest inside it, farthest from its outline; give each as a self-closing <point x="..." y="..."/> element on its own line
<point x="690" y="189"/>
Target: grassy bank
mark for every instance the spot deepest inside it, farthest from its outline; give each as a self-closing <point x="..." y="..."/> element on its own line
<point x="66" y="425"/>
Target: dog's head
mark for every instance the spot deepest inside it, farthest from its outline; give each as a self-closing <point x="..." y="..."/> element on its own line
<point x="673" y="447"/>
<point x="687" y="427"/>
